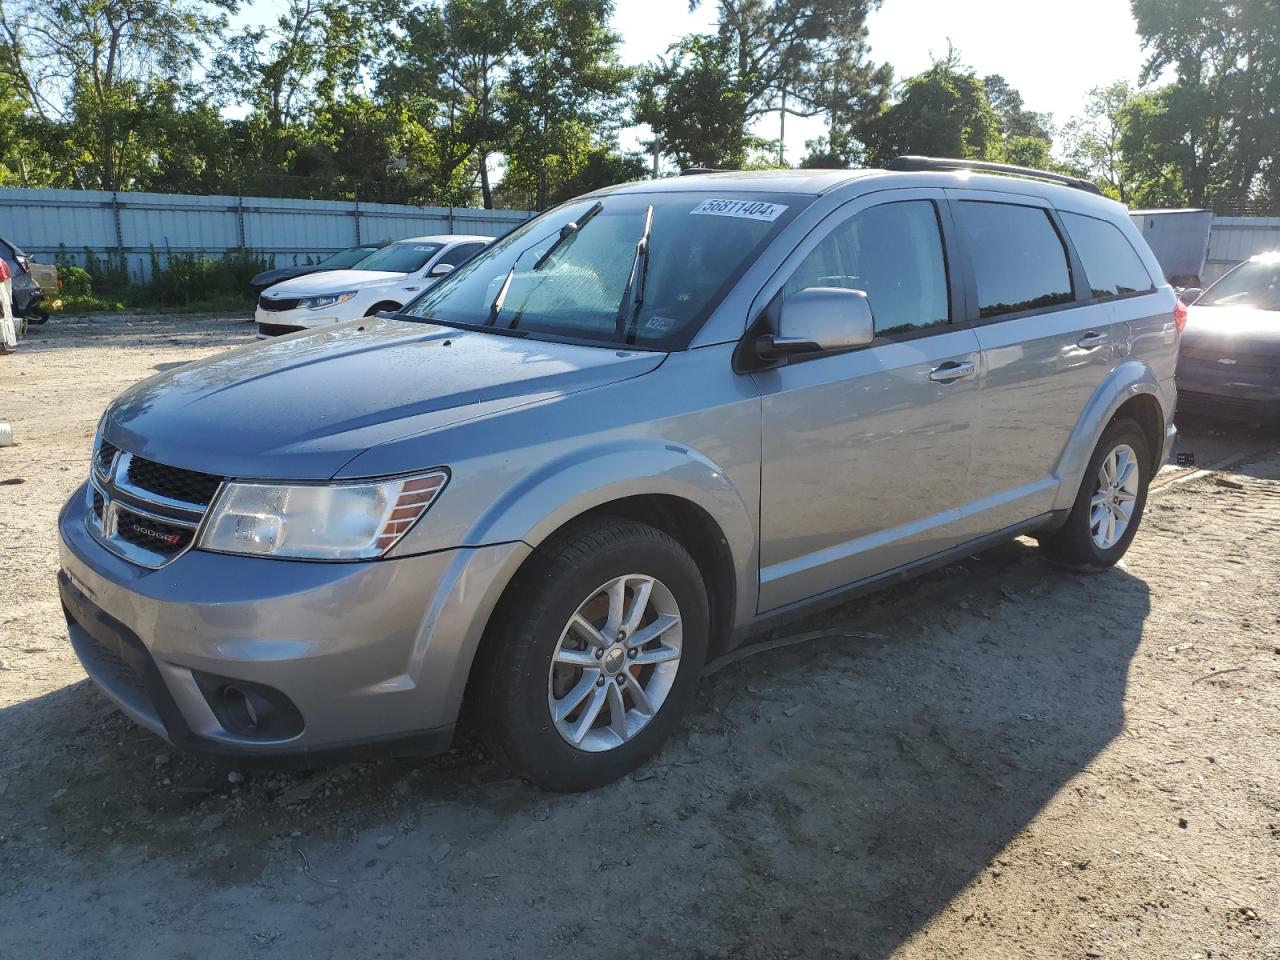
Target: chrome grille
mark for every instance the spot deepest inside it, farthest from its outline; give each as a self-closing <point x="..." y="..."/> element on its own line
<point x="171" y="483"/>
<point x="147" y="512"/>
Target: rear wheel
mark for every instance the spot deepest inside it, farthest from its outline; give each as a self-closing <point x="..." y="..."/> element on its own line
<point x="1108" y="508"/>
<point x="595" y="656"/>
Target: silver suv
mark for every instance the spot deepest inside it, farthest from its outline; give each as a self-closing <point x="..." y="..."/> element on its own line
<point x="618" y="442"/>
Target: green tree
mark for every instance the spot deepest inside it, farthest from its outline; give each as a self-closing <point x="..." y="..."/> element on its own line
<point x="941" y="112"/>
<point x="690" y="100"/>
<point x="1217" y="122"/>
<point x="449" y="63"/>
<point x="99" y="69"/>
<point x="786" y="57"/>
<point x="1016" y="121"/>
<point x="567" y="78"/>
<point x="582" y="164"/>
<point x="287" y="73"/>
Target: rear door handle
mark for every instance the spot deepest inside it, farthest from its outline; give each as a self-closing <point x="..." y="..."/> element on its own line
<point x="950" y="371"/>
<point x="1092" y="339"/>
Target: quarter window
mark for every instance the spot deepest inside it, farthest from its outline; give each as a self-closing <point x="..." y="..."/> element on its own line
<point x="1109" y="260"/>
<point x="893" y="253"/>
<point x="1019" y="262"/>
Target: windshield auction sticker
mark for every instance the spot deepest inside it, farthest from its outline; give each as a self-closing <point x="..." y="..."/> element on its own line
<point x="743" y="209"/>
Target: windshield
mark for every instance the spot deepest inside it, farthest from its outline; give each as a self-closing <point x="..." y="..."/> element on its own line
<point x="1255" y="284"/>
<point x="638" y="269"/>
<point x="404" y="257"/>
<point x="347" y="258"/>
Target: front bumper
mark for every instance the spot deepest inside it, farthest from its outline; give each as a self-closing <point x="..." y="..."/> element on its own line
<point x="368" y="653"/>
<point x="1246" y="396"/>
<point x="273" y="323"/>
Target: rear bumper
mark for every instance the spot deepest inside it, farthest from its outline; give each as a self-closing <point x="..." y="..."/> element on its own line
<point x="371" y="655"/>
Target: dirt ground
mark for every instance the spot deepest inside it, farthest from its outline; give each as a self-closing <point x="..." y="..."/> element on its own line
<point x="999" y="760"/>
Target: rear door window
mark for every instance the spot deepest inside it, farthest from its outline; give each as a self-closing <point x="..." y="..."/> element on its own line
<point x="891" y="252"/>
<point x="1111" y="264"/>
<point x="1019" y="261"/>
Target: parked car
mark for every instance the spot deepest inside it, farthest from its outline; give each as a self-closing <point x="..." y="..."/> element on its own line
<point x="338" y="261"/>
<point x="384" y="280"/>
<point x="634" y="432"/>
<point x="32" y="282"/>
<point x="1229" y="363"/>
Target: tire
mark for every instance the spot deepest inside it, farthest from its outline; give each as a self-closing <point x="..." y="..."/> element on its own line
<point x="379" y="307"/>
<point x="1076" y="543"/>
<point x="520" y="684"/>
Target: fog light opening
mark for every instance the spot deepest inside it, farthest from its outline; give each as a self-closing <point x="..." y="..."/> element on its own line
<point x="240" y="709"/>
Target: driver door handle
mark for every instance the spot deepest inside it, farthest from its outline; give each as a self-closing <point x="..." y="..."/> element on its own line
<point x="1092" y="339"/>
<point x="951" y="370"/>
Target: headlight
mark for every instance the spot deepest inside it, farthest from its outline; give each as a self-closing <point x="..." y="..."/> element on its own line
<point x="328" y="300"/>
<point x="339" y="521"/>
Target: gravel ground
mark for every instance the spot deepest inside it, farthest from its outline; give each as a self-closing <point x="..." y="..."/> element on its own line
<point x="999" y="760"/>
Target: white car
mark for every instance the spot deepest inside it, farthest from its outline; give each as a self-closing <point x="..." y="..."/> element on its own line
<point x="387" y="279"/>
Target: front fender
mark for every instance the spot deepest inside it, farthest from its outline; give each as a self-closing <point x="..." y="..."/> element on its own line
<point x="1126" y="381"/>
<point x="548" y="498"/>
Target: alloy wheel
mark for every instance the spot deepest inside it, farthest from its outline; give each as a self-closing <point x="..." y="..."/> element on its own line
<point x="1112" y="504"/>
<point x="615" y="663"/>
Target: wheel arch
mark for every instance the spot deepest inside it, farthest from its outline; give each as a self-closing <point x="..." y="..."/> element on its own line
<point x="382" y="305"/>
<point x="1132" y="390"/>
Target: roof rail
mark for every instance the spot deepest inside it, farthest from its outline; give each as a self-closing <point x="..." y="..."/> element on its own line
<point x="944" y="163"/>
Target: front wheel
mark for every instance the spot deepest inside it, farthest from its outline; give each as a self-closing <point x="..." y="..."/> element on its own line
<point x="595" y="655"/>
<point x="1109" y="505"/>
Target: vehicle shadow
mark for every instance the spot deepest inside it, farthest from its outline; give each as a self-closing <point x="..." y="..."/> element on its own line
<point x="826" y="798"/>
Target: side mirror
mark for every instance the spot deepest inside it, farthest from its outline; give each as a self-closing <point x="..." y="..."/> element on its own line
<point x="1190" y="295"/>
<point x="440" y="270"/>
<point x="818" y="320"/>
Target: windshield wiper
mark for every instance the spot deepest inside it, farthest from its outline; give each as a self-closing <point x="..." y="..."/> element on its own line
<point x="633" y="293"/>
<point x="567" y="231"/>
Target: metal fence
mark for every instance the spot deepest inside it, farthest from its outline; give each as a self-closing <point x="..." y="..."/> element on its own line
<point x="140" y="227"/>
<point x="1233" y="239"/>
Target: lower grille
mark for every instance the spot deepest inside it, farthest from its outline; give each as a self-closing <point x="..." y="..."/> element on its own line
<point x="275" y="306"/>
<point x="277" y="329"/>
<point x="98" y="504"/>
<point x="107" y="664"/>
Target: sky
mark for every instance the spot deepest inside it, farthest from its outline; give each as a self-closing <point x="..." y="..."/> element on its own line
<point x="1052" y="53"/>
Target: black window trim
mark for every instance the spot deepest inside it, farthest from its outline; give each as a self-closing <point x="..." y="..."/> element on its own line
<point x="1090" y="299"/>
<point x="1080" y="293"/>
<point x="954" y="285"/>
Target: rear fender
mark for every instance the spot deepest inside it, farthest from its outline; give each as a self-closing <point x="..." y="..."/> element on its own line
<point x="1126" y="381"/>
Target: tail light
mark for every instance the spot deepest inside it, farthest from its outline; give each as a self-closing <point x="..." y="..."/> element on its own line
<point x="1180" y="315"/>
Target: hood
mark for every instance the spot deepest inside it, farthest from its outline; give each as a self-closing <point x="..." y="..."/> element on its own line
<point x="332" y="281"/>
<point x="299" y="407"/>
<point x="268" y="277"/>
<point x="1238" y="330"/>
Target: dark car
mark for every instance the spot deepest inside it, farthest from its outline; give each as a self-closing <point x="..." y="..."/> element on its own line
<point x="31" y="281"/>
<point x="1229" y="365"/>
<point x="338" y="261"/>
